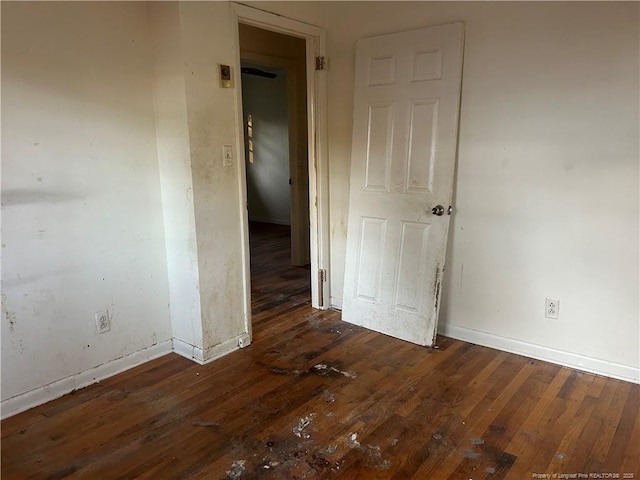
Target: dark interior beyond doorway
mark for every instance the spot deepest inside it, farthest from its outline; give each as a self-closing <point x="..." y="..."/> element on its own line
<point x="266" y="128"/>
<point x="277" y="106"/>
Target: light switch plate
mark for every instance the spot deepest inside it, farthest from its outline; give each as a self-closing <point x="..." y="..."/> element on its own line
<point x="227" y="155"/>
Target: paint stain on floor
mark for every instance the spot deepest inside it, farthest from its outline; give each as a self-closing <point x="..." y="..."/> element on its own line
<point x="285" y="458"/>
<point x="298" y="455"/>
<point x="371" y="454"/>
<point x="322" y="369"/>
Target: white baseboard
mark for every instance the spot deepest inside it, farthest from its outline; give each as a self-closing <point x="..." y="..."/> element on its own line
<point x="38" y="396"/>
<point x="560" y="357"/>
<point x="198" y="355"/>
<point x="186" y="350"/>
<point x="222" y="349"/>
<point x="335" y="303"/>
<point x="46" y="393"/>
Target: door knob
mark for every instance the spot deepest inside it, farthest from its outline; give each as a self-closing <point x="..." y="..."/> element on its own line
<point x="438" y="210"/>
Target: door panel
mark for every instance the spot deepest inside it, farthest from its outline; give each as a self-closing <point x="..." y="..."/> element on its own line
<point x="379" y="144"/>
<point x="422" y="145"/>
<point x="369" y="262"/>
<point x="411" y="273"/>
<point x="406" y="102"/>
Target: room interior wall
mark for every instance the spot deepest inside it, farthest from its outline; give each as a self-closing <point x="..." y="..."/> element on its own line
<point x="82" y="225"/>
<point x="212" y="117"/>
<point x="546" y="201"/>
<point x="89" y="185"/>
<point x="268" y="190"/>
<point x="196" y="118"/>
<point x="174" y="160"/>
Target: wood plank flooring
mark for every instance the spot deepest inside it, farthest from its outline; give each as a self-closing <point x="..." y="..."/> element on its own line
<point x="315" y="398"/>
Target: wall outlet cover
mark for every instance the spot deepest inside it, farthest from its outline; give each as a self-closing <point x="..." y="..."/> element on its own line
<point x="551" y="308"/>
<point x="103" y="321"/>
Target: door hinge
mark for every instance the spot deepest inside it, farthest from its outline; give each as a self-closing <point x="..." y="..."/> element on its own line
<point x="322" y="277"/>
<point x="321" y="63"/>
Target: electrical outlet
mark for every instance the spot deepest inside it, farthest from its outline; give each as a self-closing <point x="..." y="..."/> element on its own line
<point x="103" y="322"/>
<point x="551" y="308"/>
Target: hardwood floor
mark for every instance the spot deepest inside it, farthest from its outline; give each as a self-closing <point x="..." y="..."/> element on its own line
<point x="314" y="397"/>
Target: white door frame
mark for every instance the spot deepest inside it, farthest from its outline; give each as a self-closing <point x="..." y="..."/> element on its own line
<point x="315" y="38"/>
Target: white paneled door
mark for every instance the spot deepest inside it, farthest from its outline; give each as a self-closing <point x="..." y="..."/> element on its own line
<point x="407" y="96"/>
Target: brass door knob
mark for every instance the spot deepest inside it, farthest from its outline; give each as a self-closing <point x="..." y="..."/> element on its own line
<point x="438" y="210"/>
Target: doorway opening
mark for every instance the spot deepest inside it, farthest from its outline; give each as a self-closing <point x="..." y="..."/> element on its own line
<point x="274" y="106"/>
<point x="308" y="168"/>
<point x="275" y="159"/>
<point x="268" y="147"/>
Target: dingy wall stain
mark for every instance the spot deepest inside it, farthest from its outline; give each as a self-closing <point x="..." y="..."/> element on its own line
<point x="436" y="295"/>
<point x="436" y="288"/>
<point x="10" y="316"/>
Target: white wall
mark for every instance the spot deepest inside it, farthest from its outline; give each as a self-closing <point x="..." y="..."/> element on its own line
<point x="195" y="117"/>
<point x="212" y="119"/>
<point x="82" y="218"/>
<point x="113" y="128"/>
<point x="174" y="158"/>
<point x="547" y="180"/>
<point x="546" y="202"/>
<point x="268" y="190"/>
